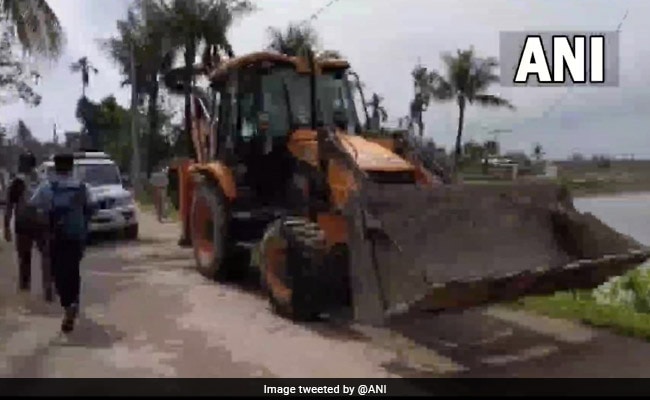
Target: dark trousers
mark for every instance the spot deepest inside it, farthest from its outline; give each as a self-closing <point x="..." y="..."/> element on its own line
<point x="24" y="246"/>
<point x="65" y="256"/>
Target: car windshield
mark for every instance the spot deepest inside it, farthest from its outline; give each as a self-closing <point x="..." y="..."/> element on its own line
<point x="98" y="174"/>
<point x="334" y="100"/>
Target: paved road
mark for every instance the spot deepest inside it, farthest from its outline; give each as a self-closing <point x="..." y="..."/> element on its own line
<point x="147" y="313"/>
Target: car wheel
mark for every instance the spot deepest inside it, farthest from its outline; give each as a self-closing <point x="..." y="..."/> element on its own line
<point x="131" y="232"/>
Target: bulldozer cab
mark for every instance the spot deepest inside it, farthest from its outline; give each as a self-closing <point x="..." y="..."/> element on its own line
<point x="266" y="100"/>
<point x="261" y="103"/>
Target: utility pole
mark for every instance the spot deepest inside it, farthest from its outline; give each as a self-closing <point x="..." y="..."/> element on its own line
<point x="135" y="153"/>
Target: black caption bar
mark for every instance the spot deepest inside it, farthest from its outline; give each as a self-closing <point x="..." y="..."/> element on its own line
<point x="324" y="387"/>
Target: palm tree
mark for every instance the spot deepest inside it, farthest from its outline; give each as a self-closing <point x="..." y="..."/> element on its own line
<point x="84" y="66"/>
<point x="360" y="85"/>
<point x="538" y="152"/>
<point x="151" y="56"/>
<point x="422" y="86"/>
<point x="468" y="78"/>
<point x="190" y="23"/>
<point x="295" y="40"/>
<point x="378" y="111"/>
<point x="36" y="26"/>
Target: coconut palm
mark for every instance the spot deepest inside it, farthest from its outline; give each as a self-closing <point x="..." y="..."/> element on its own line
<point x="85" y="67"/>
<point x="379" y="113"/>
<point x="295" y="40"/>
<point x="190" y="23"/>
<point x="36" y="26"/>
<point x="142" y="27"/>
<point x="538" y="152"/>
<point x="422" y="86"/>
<point x="360" y="86"/>
<point x="466" y="80"/>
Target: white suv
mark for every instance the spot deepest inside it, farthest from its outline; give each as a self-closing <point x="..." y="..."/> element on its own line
<point x="116" y="210"/>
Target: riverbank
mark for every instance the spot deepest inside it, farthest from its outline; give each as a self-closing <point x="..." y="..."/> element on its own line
<point x="622" y="304"/>
<point x="604" y="188"/>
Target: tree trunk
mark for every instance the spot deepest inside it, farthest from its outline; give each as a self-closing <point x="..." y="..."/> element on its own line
<point x="153" y="123"/>
<point x="459" y="135"/>
<point x="363" y="102"/>
<point x="375" y="120"/>
<point x="135" y="155"/>
<point x="190" y="54"/>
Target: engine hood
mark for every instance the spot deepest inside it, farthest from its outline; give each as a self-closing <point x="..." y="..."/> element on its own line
<point x="372" y="156"/>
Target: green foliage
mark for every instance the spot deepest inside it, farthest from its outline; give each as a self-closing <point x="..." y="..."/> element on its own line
<point x="15" y="78"/>
<point x="621" y="304"/>
<point x="465" y="81"/>
<point x="295" y="40"/>
<point x="85" y="67"/>
<point x="620" y="319"/>
<point x="631" y="290"/>
<point x="37" y="27"/>
<point x="109" y="124"/>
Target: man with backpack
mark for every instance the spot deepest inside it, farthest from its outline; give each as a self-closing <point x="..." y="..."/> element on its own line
<point x="65" y="201"/>
<point x="27" y="226"/>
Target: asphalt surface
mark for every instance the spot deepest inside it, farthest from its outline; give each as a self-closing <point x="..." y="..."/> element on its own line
<point x="147" y="313"/>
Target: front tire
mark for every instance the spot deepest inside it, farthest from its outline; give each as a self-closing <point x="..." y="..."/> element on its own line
<point x="292" y="266"/>
<point x="131" y="232"/>
<point x="209" y="222"/>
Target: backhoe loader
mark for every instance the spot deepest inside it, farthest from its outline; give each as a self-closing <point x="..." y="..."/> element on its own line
<point x="284" y="178"/>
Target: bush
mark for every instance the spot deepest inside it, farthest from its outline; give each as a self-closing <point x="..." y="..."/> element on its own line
<point x="631" y="290"/>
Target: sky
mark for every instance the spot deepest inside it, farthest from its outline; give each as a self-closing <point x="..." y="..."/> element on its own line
<point x="384" y="40"/>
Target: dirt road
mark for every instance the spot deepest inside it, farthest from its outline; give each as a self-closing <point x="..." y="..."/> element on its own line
<point x="147" y="313"/>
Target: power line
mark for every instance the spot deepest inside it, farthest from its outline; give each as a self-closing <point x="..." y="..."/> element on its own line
<point x="318" y="12"/>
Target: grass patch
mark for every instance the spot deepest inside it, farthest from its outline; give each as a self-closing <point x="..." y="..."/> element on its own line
<point x="585" y="309"/>
<point x="622" y="304"/>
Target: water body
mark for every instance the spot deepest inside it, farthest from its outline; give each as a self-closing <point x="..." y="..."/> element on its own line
<point x="627" y="213"/>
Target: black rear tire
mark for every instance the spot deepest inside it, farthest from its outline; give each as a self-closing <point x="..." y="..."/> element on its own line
<point x="294" y="281"/>
<point x="131" y="232"/>
<point x="209" y="223"/>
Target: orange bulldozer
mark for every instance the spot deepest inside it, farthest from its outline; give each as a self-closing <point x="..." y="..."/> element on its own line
<point x="284" y="179"/>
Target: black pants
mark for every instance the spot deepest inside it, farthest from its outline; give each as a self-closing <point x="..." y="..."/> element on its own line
<point x="65" y="256"/>
<point x="24" y="245"/>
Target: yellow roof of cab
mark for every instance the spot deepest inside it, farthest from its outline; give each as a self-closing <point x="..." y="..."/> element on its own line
<point x="223" y="70"/>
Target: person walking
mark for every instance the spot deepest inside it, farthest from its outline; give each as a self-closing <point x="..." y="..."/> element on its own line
<point x="66" y="203"/>
<point x="28" y="227"/>
<point x="159" y="182"/>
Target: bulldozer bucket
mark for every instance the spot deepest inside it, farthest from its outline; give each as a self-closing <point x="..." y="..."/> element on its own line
<point x="460" y="246"/>
<point x="456" y="246"/>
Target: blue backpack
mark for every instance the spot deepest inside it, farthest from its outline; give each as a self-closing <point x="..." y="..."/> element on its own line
<point x="67" y="211"/>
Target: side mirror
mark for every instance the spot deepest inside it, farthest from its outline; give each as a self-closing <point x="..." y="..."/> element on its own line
<point x="126" y="181"/>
